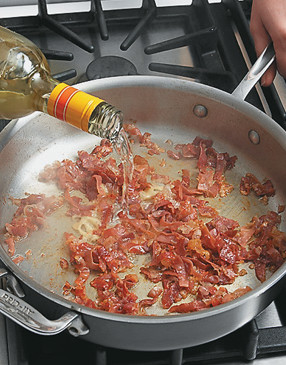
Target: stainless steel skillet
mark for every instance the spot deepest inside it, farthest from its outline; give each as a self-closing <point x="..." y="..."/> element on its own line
<point x="169" y="109"/>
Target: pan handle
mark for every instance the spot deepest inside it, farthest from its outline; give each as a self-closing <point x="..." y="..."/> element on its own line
<point x="28" y="317"/>
<point x="254" y="74"/>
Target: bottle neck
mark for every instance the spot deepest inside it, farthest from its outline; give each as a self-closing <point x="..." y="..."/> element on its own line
<point x="72" y="105"/>
<point x="82" y="110"/>
<point x="106" y="122"/>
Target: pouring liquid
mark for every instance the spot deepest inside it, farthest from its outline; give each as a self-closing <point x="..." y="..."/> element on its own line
<point x="123" y="150"/>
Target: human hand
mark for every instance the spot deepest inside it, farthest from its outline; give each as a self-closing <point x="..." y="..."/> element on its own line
<point x="268" y="22"/>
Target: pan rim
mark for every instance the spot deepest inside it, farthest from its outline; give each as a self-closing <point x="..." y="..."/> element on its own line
<point x="169" y="83"/>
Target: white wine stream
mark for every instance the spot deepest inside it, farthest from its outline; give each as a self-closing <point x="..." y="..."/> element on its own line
<point x="123" y="150"/>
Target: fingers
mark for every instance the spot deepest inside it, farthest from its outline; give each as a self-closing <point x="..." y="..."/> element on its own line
<point x="280" y="52"/>
<point x="259" y="33"/>
<point x="261" y="40"/>
<point x="268" y="22"/>
<point x="274" y="21"/>
<point x="269" y="75"/>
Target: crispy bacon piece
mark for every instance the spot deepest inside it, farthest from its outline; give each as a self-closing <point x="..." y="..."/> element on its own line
<point x="173" y="155"/>
<point x="64" y="263"/>
<point x="267" y="248"/>
<point x="153" y="298"/>
<point x="220" y="296"/>
<point x="114" y="294"/>
<point x="171" y="292"/>
<point x="18" y="259"/>
<point x="192" y="150"/>
<point x="132" y="130"/>
<point x="223" y="225"/>
<point x="103" y="150"/>
<point x="212" y="166"/>
<point x="151" y="274"/>
<point x="250" y="183"/>
<point x="153" y="148"/>
<point x="76" y="206"/>
<point x="155" y="292"/>
<point x="97" y="257"/>
<point x="29" y="217"/>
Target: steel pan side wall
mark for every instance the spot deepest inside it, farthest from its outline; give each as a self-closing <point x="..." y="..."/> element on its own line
<point x="124" y="334"/>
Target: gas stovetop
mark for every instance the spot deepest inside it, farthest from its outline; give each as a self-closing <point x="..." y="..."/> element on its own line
<point x="202" y="42"/>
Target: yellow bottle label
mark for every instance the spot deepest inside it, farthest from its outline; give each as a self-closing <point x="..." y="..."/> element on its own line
<point x="72" y="105"/>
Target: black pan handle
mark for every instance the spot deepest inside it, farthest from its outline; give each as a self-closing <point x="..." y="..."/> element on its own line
<point x="254" y="74"/>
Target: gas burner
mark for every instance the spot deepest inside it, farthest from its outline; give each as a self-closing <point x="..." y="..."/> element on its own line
<point x="109" y="66"/>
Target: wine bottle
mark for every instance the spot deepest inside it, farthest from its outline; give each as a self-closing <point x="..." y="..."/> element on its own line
<point x="26" y="85"/>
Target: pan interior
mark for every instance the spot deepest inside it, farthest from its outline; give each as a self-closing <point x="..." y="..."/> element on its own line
<point x="167" y="113"/>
